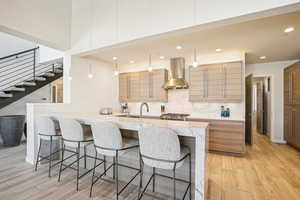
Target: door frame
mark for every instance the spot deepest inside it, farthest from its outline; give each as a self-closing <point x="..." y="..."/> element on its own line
<point x="272" y="103"/>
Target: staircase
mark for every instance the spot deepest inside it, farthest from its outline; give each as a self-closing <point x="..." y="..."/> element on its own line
<point x="20" y="75"/>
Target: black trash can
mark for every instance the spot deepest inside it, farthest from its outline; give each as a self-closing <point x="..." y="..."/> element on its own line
<point x="11" y="129"/>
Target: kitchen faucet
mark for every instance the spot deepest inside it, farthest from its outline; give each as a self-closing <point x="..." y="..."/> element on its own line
<point x="141" y="108"/>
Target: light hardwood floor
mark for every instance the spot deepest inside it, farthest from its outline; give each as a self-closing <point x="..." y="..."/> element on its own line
<point x="267" y="172"/>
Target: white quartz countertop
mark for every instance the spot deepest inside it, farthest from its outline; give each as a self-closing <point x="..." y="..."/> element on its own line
<point x="184" y="128"/>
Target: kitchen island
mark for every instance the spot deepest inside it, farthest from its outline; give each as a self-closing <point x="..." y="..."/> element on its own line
<point x="193" y="134"/>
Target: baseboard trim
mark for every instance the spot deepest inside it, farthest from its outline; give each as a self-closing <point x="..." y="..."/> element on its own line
<point x="278" y="141"/>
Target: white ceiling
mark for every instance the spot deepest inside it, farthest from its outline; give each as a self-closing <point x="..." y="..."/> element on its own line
<point x="262" y="37"/>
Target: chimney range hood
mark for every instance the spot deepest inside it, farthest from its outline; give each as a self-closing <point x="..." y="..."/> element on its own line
<point x="177" y="72"/>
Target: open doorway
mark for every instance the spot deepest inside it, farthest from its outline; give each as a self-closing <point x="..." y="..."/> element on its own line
<point x="258" y="106"/>
<point x="262" y="105"/>
<point x="57" y="91"/>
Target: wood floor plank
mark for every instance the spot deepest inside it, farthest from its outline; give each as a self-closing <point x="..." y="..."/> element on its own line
<point x="268" y="171"/>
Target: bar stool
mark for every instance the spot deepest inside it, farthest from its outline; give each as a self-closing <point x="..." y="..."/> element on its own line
<point x="74" y="136"/>
<point x="108" y="142"/>
<point x="160" y="148"/>
<point x="47" y="129"/>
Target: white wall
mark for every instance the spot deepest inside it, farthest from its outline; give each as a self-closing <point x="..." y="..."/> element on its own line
<point x="47" y="54"/>
<point x="100" y="23"/>
<point x="178" y="99"/>
<point x="92" y="94"/>
<point x="45" y="22"/>
<point x="10" y="44"/>
<point x="275" y="70"/>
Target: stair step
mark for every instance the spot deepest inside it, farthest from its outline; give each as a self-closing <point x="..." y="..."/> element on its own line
<point x="40" y="78"/>
<point x="15" y="89"/>
<point x="58" y="70"/>
<point x="49" y="74"/>
<point x="5" y="95"/>
<point x="27" y="83"/>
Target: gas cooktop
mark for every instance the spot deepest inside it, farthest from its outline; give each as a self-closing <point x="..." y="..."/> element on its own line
<point x="174" y="116"/>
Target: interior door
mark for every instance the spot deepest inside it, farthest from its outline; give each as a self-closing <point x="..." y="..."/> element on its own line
<point x="296" y="127"/>
<point x="260" y="107"/>
<point x="248" y="104"/>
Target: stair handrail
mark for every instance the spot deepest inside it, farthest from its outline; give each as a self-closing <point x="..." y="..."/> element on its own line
<point x="22" y="67"/>
<point x="18" y="53"/>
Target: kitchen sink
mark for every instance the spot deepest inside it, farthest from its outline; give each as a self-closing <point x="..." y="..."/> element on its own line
<point x="137" y="116"/>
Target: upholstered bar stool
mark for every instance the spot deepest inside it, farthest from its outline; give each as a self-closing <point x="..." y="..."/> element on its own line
<point x="47" y="129"/>
<point x="160" y="149"/>
<point x="108" y="142"/>
<point x="74" y="136"/>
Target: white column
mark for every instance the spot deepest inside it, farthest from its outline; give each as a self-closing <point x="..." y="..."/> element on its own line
<point x="200" y="164"/>
<point x="31" y="136"/>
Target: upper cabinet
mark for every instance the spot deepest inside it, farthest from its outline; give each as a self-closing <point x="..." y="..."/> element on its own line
<point x="143" y="86"/>
<point x="220" y="82"/>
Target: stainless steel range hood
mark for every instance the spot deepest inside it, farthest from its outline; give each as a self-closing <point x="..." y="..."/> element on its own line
<point x="177" y="72"/>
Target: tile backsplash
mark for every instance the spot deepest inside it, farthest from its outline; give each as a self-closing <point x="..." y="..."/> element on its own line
<point x="178" y="103"/>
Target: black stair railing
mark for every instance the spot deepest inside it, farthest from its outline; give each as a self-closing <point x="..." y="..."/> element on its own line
<point x="21" y="67"/>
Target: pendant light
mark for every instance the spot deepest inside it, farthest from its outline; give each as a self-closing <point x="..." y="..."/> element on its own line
<point x="116" y="69"/>
<point x="90" y="75"/>
<point x="150" y="64"/>
<point x="195" y="63"/>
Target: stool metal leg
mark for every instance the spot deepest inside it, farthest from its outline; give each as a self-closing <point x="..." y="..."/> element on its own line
<point x="174" y="182"/>
<point x="78" y="155"/>
<point x="117" y="175"/>
<point x="104" y="164"/>
<point x="190" y="176"/>
<point x="50" y="158"/>
<point x="141" y="177"/>
<point x="38" y="155"/>
<point x="62" y="160"/>
<point x="91" y="189"/>
<point x="153" y="181"/>
<point x="84" y="149"/>
<point x="114" y="168"/>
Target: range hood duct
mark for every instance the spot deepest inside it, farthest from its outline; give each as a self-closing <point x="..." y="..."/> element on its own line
<point x="177" y="72"/>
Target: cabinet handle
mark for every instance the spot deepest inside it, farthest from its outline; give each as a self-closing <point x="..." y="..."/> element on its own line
<point x="292" y="88"/>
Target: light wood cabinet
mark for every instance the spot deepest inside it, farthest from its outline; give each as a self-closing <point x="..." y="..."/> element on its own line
<point x="220" y="82"/>
<point x="143" y="86"/>
<point x="233" y="86"/>
<point x="226" y="136"/>
<point x="124" y="87"/>
<point x="292" y="105"/>
<point x="156" y="91"/>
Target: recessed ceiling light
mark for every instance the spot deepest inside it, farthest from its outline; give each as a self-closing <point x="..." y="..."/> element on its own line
<point x="289" y="29"/>
<point x="179" y="47"/>
<point x="70" y="78"/>
<point x="115" y="58"/>
<point x="262" y="57"/>
<point x="218" y="50"/>
<point x="132" y="61"/>
<point x="162" y="57"/>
